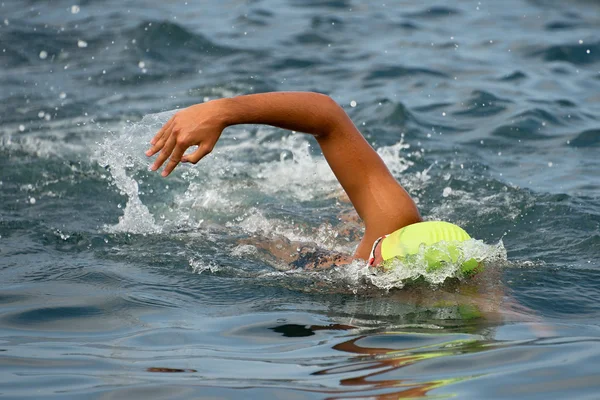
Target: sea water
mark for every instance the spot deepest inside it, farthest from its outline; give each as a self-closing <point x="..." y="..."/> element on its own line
<point x="118" y="283"/>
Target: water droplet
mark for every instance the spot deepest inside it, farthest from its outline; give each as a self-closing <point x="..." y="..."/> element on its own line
<point x="75" y="9"/>
<point x="21" y="128"/>
<point x="353" y="103"/>
<point x="588" y="51"/>
<point x="32" y="200"/>
<point x="550" y="164"/>
<point x="43" y="54"/>
<point x="446" y="192"/>
<point x="82" y="43"/>
<point x="444" y="114"/>
<point x="41" y="114"/>
<point x="62" y="95"/>
<point x="142" y="64"/>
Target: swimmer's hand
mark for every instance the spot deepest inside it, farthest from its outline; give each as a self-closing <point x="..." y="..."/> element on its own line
<point x="199" y="125"/>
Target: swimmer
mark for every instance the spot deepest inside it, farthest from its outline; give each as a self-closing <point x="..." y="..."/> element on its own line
<point x="393" y="225"/>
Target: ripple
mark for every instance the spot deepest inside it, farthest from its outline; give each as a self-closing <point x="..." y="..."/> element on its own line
<point x="397" y="71"/>
<point x="167" y="41"/>
<point x="515" y="76"/>
<point x="311" y="38"/>
<point x="572" y="53"/>
<point x="561" y="25"/>
<point x="23" y="43"/>
<point x="333" y="4"/>
<point x="588" y="138"/>
<point x="256" y="18"/>
<point x="295" y="63"/>
<point x="539" y="115"/>
<point x="389" y="113"/>
<point x="156" y="45"/>
<point x="51" y="315"/>
<point x="434" y="12"/>
<point x="483" y="104"/>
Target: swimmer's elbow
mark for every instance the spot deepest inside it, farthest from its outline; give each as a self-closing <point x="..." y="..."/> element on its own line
<point x="336" y="117"/>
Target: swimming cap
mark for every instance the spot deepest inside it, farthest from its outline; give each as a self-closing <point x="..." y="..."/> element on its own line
<point x="407" y="241"/>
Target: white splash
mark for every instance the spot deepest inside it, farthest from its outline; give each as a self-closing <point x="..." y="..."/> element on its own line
<point x="230" y="185"/>
<point x="402" y="272"/>
<point x="123" y="155"/>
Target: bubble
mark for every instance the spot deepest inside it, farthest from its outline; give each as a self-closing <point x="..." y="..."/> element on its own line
<point x="43" y="54"/>
<point x="447" y="192"/>
<point x="75" y="9"/>
<point x="142" y="64"/>
<point x="62" y="95"/>
<point x="588" y="51"/>
<point x="41" y="114"/>
<point x="550" y="164"/>
<point x="32" y="200"/>
<point x="21" y="128"/>
<point x="6" y="22"/>
<point x="353" y="103"/>
<point x="82" y="43"/>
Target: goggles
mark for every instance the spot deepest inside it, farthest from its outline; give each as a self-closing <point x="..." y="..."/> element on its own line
<point x="372" y="255"/>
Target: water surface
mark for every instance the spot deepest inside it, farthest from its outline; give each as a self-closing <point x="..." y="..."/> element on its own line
<point x="117" y="283"/>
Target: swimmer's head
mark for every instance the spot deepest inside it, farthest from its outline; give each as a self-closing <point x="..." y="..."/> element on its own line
<point x="407" y="241"/>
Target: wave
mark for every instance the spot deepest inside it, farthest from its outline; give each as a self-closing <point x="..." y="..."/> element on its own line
<point x="577" y="54"/>
<point x="434" y="12"/>
<point x="588" y="138"/>
<point x="483" y="104"/>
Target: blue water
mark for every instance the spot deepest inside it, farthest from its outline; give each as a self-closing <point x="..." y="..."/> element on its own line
<point x="117" y="283"/>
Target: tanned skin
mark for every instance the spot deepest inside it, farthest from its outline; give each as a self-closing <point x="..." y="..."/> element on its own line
<point x="380" y="201"/>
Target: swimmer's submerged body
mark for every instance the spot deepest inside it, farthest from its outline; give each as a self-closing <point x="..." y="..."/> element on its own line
<point x="393" y="225"/>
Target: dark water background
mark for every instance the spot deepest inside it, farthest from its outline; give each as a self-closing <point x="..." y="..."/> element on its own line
<point x="116" y="283"/>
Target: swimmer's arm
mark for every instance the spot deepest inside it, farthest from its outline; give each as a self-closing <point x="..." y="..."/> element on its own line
<point x="378" y="198"/>
<point x="297" y="254"/>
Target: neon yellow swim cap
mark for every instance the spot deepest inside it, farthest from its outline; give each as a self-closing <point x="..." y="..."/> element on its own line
<point x="407" y="241"/>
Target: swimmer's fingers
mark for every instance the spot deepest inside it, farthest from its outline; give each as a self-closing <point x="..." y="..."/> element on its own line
<point x="174" y="159"/>
<point x="198" y="155"/>
<point x="162" y="130"/>
<point x="165" y="153"/>
<point x="158" y="141"/>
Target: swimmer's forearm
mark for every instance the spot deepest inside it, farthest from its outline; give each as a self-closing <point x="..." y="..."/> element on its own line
<point x="312" y="113"/>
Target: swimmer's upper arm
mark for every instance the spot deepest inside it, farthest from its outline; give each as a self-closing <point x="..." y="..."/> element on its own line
<point x="381" y="202"/>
